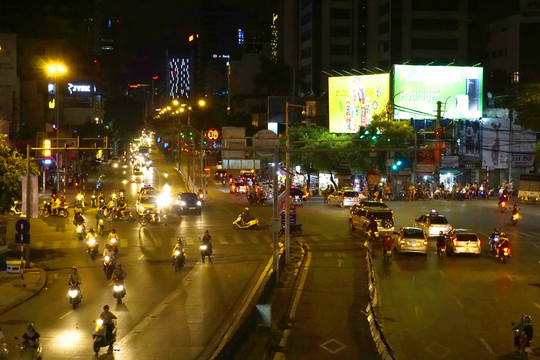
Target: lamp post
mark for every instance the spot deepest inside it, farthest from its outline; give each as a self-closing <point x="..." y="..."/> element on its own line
<point x="55" y="70"/>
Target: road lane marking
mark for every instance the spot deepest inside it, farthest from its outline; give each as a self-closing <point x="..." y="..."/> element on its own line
<point x="509" y="277"/>
<point x="486" y="345"/>
<point x="416" y="310"/>
<point x="254" y="239"/>
<point x="537" y="305"/>
<point x="442" y="274"/>
<point x="340" y="262"/>
<point x="460" y="303"/>
<point x="268" y="238"/>
<point x="301" y="285"/>
<point x="66" y="314"/>
<point x="536" y="246"/>
<point x="238" y="239"/>
<point x="222" y="240"/>
<point x="140" y="257"/>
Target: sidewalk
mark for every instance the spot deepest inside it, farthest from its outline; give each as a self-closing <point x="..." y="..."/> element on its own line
<point x="12" y="291"/>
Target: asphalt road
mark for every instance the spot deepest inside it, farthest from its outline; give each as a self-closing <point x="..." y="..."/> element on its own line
<point x="165" y="315"/>
<point x="460" y="307"/>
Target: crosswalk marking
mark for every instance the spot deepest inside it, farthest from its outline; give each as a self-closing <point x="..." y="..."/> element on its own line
<point x="222" y="240"/>
<point x="237" y="239"/>
<point x="254" y="239"/>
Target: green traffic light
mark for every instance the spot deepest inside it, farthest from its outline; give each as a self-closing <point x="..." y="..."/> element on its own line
<point x="398" y="163"/>
<point x="394" y="167"/>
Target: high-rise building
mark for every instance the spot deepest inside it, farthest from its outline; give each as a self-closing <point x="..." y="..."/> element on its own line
<point x="178" y="78"/>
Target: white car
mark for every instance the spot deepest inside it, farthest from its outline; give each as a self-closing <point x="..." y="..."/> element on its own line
<point x="433" y="223"/>
<point x="145" y="202"/>
<point x="138" y="176"/>
<point x="344" y="198"/>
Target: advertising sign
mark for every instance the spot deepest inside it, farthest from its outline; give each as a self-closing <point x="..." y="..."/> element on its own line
<point x="353" y="100"/>
<point x="417" y="89"/>
<point x="495" y="140"/>
<point x="523" y="144"/>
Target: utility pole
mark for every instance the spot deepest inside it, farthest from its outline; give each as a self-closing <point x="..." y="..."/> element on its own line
<point x="438" y="143"/>
<point x="287" y="187"/>
<point x="275" y="215"/>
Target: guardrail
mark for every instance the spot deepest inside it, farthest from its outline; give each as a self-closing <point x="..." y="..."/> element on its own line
<point x="381" y="342"/>
<point x="248" y="324"/>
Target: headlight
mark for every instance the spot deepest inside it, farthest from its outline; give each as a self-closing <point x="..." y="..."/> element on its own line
<point x="101" y="221"/>
<point x="199" y="203"/>
<point x="133" y="177"/>
<point x="118" y="288"/>
<point x="99" y="322"/>
<point x="79" y="197"/>
<point x="107" y="258"/>
<point x="177" y="202"/>
<point x="79" y="228"/>
<point x="113" y="240"/>
<point x="203" y="247"/>
<point x="176" y="253"/>
<point x="183" y="203"/>
<point x="73" y="293"/>
<point x="115" y="165"/>
<point x="92" y="241"/>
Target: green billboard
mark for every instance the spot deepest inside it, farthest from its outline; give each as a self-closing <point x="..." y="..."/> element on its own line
<point x="418" y="88"/>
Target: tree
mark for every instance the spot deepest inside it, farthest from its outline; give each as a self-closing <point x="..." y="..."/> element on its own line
<point x="12" y="167"/>
<point x="527" y="105"/>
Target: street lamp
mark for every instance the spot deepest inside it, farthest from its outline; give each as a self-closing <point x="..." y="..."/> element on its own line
<point x="54" y="70"/>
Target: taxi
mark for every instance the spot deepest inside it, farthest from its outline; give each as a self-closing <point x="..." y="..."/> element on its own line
<point x="433" y="223"/>
<point x="145" y="202"/>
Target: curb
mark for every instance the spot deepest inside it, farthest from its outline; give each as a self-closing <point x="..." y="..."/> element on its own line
<point x="27" y="295"/>
<point x="381" y="341"/>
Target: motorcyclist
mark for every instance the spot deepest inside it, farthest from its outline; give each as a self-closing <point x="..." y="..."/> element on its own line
<point x="77" y="216"/>
<point x="31" y="337"/>
<point x="524" y="332"/>
<point x="502" y="243"/>
<point x="80" y="197"/>
<point x="493" y="239"/>
<point x="107" y="251"/>
<point x="245" y="216"/>
<point x="91" y="234"/>
<point x="112" y="234"/>
<point x="372" y="226"/>
<point x="119" y="274"/>
<point x="515" y="210"/>
<point x="387" y="242"/>
<point x="179" y="247"/>
<point x="503" y="198"/>
<point x="56" y="205"/>
<point x="74" y="279"/>
<point x="123" y="207"/>
<point x="441" y="241"/>
<point x="107" y="318"/>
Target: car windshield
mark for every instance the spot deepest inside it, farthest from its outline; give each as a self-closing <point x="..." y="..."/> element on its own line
<point x="413" y="233"/>
<point x="188" y="197"/>
<point x="382" y="216"/>
<point x="351" y="194"/>
<point x="148" y="200"/>
<point x="439" y="220"/>
<point x="466" y="237"/>
<point x="375" y="204"/>
<point x="138" y="173"/>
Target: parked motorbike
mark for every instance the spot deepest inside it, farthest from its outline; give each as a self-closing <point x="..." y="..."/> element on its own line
<point x="74" y="294"/>
<point x="251" y="224"/>
<point x="179" y="260"/>
<point x="16" y="208"/>
<point x="93" y="247"/>
<point x="296" y="230"/>
<point x="100" y="338"/>
<point x="119" y="290"/>
<point x="108" y="266"/>
<point x="81" y="231"/>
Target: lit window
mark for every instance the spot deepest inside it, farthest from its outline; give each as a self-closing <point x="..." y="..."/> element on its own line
<point x="240" y="36"/>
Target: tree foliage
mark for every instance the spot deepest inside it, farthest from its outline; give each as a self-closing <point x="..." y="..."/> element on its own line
<point x="527" y="105"/>
<point x="12" y="167"/>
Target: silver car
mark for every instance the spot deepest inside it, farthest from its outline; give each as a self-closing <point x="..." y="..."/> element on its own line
<point x="410" y="239"/>
<point x="463" y="241"/>
<point x="344" y="198"/>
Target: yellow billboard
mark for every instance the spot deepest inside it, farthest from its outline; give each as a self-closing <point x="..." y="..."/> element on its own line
<point x="353" y="100"/>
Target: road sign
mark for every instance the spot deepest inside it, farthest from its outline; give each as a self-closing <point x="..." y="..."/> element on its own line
<point x="22" y="226"/>
<point x="212" y="134"/>
<point x="22" y="238"/>
<point x="206" y="169"/>
<point x="292" y="219"/>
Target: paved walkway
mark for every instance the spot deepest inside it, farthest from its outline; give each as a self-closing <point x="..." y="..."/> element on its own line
<point x="14" y="291"/>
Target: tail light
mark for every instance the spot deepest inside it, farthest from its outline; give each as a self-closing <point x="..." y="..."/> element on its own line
<point x="454" y="241"/>
<point x="478" y="242"/>
<point x="304" y="196"/>
<point x="506" y="251"/>
<point x="503" y="204"/>
<point x="402" y="241"/>
<point x="425" y="242"/>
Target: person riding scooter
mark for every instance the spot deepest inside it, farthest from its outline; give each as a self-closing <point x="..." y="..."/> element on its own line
<point x="245" y="216"/>
<point x="31" y="337"/>
<point x="502" y="243"/>
<point x="387" y="242"/>
<point x="74" y="279"/>
<point x="77" y="216"/>
<point x="441" y="241"/>
<point x="107" y="318"/>
<point x="180" y="248"/>
<point x="372" y="227"/>
<point x="119" y="274"/>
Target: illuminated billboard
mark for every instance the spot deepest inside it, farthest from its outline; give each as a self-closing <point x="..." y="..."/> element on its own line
<point x="353" y="100"/>
<point x="418" y="88"/>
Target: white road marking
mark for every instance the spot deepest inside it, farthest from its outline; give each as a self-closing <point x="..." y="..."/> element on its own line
<point x="66" y="314"/>
<point x="238" y="239"/>
<point x="509" y="277"/>
<point x="190" y="241"/>
<point x="340" y="262"/>
<point x="460" y="303"/>
<point x="254" y="239"/>
<point x="300" y="286"/>
<point x="222" y="240"/>
<point x="416" y="310"/>
<point x="537" y="305"/>
<point x="486" y="345"/>
<point x="442" y="274"/>
<point x="140" y="257"/>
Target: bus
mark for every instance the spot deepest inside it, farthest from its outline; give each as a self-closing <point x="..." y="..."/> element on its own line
<point x="529" y="187"/>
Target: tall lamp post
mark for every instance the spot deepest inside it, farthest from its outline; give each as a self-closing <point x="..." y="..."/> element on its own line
<point x="55" y="70"/>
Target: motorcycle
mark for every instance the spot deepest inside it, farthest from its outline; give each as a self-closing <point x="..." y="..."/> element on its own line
<point x="114" y="245"/>
<point x="47" y="211"/>
<point x="147" y="218"/>
<point x="4" y="352"/>
<point x="94" y="200"/>
<point x="99" y="335"/>
<point x="387" y="254"/>
<point x="81" y="231"/>
<point x="117" y="214"/>
<point x="502" y="206"/>
<point x="179" y="260"/>
<point x="515" y="218"/>
<point x="441" y="252"/>
<point x="100" y="226"/>
<point x="92" y="247"/>
<point x="206" y="251"/>
<point x="504" y="254"/>
<point x="251" y="224"/>
<point x="28" y="350"/>
<point x="296" y="230"/>
<point x="79" y="201"/>
<point x="522" y="340"/>
<point x="16" y="208"/>
<point x="373" y="236"/>
<point x="75" y="296"/>
<point x="108" y="266"/>
<point x="119" y="290"/>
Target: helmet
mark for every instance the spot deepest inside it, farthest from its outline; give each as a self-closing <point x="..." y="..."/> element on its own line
<point x="246" y="208"/>
<point x="107" y="246"/>
<point x="526" y="319"/>
<point x="31" y="326"/>
<point x="91" y="229"/>
<point x="112" y="230"/>
<point x="179" y="241"/>
<point x="440" y="233"/>
<point x="74" y="268"/>
<point x="106" y="307"/>
<point x="207" y="232"/>
<point x="496" y="230"/>
<point x="503" y="234"/>
<point x="119" y="265"/>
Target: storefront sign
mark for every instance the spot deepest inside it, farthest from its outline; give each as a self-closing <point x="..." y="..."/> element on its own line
<point x="80" y="88"/>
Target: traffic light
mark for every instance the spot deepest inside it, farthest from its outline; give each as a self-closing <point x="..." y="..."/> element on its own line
<point x="396" y="165"/>
<point x="47" y="152"/>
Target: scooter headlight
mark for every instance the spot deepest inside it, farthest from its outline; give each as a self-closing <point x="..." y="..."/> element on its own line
<point x="182" y="203"/>
<point x="79" y="228"/>
<point x="199" y="203"/>
<point x="204" y="247"/>
<point x="107" y="258"/>
<point x="73" y="293"/>
<point x="92" y="241"/>
<point x="101" y="221"/>
<point x="118" y="288"/>
<point x="99" y="322"/>
<point x="113" y="240"/>
<point x="176" y="253"/>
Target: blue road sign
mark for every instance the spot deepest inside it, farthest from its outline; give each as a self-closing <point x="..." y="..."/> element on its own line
<point x="22" y="238"/>
<point x="22" y="226"/>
